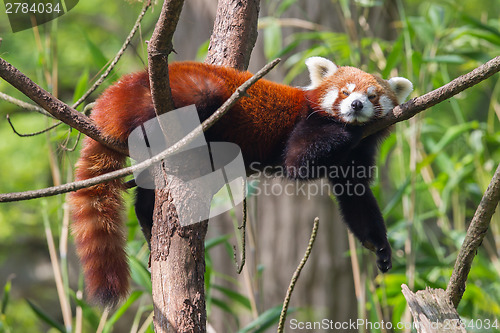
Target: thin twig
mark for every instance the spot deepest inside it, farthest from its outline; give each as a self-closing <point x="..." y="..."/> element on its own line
<point x="24" y="105"/>
<point x="113" y="63"/>
<point x="65" y="146"/>
<point x="31" y="134"/>
<point x="296" y="275"/>
<point x="475" y="234"/>
<point x="87" y="110"/>
<point x="240" y="92"/>
<point x="243" y="228"/>
<point x="117" y="57"/>
<point x="56" y="107"/>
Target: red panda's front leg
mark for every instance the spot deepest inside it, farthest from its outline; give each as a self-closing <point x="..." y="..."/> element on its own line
<point x="351" y="186"/>
<point x="316" y="143"/>
<point x="318" y="148"/>
<point x="363" y="217"/>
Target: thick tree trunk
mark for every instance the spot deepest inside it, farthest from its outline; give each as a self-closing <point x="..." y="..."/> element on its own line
<point x="177" y="252"/>
<point x="177" y="262"/>
<point x="234" y="34"/>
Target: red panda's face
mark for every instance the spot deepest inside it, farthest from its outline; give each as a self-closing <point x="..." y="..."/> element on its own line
<point x="351" y="95"/>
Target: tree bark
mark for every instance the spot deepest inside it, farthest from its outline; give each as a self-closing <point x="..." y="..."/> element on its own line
<point x="177" y="262"/>
<point x="433" y="311"/>
<point x="474" y="238"/>
<point x="178" y="252"/>
<point x="234" y="34"/>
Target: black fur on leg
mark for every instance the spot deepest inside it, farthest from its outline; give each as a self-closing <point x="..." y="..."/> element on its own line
<point x="144" y="206"/>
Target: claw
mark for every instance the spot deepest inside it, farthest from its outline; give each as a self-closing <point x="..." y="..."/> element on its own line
<point x="384" y="263"/>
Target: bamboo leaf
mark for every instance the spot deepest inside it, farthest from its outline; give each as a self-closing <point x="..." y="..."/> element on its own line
<point x="46" y="318"/>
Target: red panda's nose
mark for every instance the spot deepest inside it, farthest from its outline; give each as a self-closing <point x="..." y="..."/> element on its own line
<point x="357" y="105"/>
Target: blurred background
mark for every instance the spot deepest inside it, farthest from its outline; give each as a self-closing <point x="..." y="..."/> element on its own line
<point x="432" y="170"/>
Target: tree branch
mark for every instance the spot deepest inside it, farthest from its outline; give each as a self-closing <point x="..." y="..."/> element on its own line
<point x="24" y="105"/>
<point x="234" y="34"/>
<point x="474" y="238"/>
<point x="296" y="274"/>
<point x="240" y="92"/>
<point x="34" y="133"/>
<point x="159" y="48"/>
<point x="412" y="107"/>
<point x="56" y="107"/>
<point x="117" y="56"/>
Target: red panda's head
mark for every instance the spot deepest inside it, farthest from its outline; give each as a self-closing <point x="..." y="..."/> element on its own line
<point x="351" y="95"/>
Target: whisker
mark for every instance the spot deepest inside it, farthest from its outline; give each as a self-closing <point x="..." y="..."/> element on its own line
<point x="310" y="114"/>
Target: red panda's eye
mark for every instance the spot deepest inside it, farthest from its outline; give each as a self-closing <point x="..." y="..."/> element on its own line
<point x="345" y="92"/>
<point x="370" y="97"/>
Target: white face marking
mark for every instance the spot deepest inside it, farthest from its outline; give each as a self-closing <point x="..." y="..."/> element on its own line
<point x="329" y="99"/>
<point x="386" y="104"/>
<point x="349" y="115"/>
<point x="370" y="90"/>
<point x="350" y="87"/>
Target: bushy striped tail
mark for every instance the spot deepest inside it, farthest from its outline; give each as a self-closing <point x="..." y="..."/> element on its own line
<point x="98" y="227"/>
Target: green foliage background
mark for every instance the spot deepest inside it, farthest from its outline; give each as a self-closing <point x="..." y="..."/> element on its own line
<point x="434" y="168"/>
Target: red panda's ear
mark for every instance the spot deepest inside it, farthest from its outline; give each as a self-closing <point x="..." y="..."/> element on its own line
<point x="319" y="68"/>
<point x="402" y="87"/>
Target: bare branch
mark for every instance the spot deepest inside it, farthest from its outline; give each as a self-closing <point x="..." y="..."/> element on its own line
<point x="92" y="89"/>
<point x="240" y="92"/>
<point x="234" y="34"/>
<point x="474" y="238"/>
<point x="159" y="48"/>
<point x="243" y="228"/>
<point x="56" y="107"/>
<point x="432" y="311"/>
<point x="24" y="105"/>
<point x="296" y="274"/>
<point x="117" y="57"/>
<point x="31" y="134"/>
<point x="409" y="109"/>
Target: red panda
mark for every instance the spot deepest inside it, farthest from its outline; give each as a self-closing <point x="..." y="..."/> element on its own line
<point x="276" y="124"/>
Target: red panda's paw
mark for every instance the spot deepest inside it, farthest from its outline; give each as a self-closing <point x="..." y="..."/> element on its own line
<point x="383" y="253"/>
<point x="384" y="261"/>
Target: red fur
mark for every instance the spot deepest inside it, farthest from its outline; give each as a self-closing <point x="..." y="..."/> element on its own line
<point x="274" y="124"/>
<point x="259" y="124"/>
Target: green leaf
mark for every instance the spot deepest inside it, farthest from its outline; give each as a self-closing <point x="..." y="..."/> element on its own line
<point x="452" y="133"/>
<point x="81" y="88"/>
<point x="234" y="296"/>
<point x="6" y="296"/>
<point x="396" y="198"/>
<point x="436" y="16"/>
<point x="272" y="38"/>
<point x="201" y="54"/>
<point x="46" y="318"/>
<point x="284" y="5"/>
<point x="121" y="310"/>
<point x="394" y="57"/>
<point x="212" y="242"/>
<point x="89" y="313"/>
<point x="446" y="59"/>
<point x="226" y="308"/>
<point x="480" y="25"/>
<point x="140" y="274"/>
<point x="265" y="320"/>
<point x="96" y="53"/>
